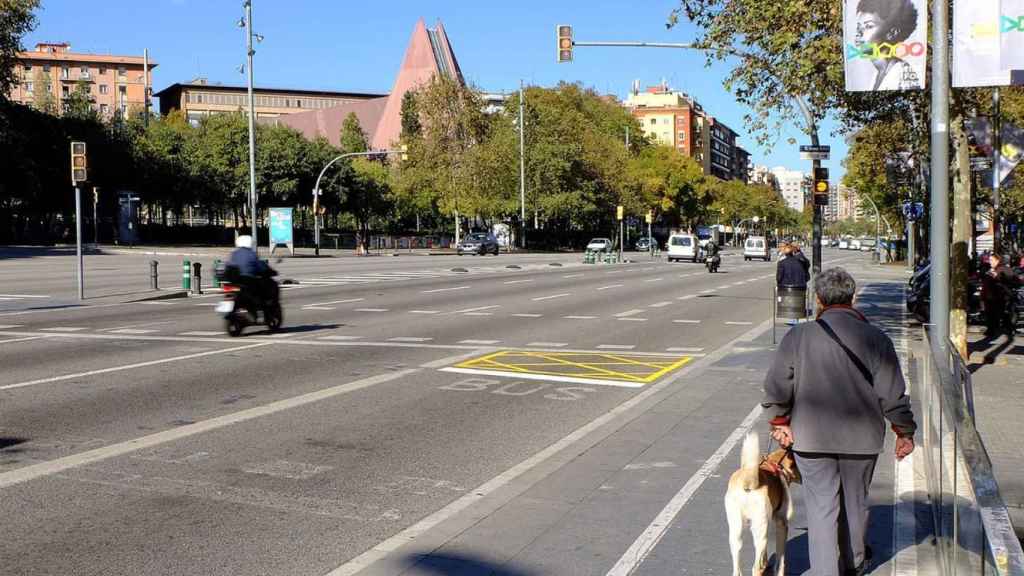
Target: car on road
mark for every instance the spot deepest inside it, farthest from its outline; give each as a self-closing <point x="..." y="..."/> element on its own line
<point x="756" y="247"/>
<point x="683" y="247"/>
<point x="867" y="245"/>
<point x="600" y="245"/>
<point x="844" y="244"/>
<point x="643" y="244"/>
<point x="854" y="244"/>
<point x="478" y="243"/>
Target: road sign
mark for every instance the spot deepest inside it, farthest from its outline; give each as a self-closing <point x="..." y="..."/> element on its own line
<point x="820" y="152"/>
<point x="913" y="211"/>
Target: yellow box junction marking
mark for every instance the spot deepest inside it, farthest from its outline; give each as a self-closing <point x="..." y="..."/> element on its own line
<point x="610" y="368"/>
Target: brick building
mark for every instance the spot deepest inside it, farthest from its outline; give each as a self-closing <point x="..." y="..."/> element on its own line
<point x="116" y="83"/>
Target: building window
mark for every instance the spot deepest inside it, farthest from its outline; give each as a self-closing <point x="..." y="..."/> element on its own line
<point x="29" y="87"/>
<point x="665" y="121"/>
<point x="124" y="90"/>
<point x="85" y="70"/>
<point x="104" y="109"/>
<point x="28" y="67"/>
<point x="104" y="88"/>
<point x="103" y="70"/>
<point x="121" y="71"/>
<point x="65" y="91"/>
<point x="682" y="136"/>
<point x="46" y="68"/>
<point x="65" y="72"/>
<point x="654" y="121"/>
<point x="298" y="103"/>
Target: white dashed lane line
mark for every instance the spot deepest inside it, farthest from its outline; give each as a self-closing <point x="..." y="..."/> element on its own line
<point x="548" y="344"/>
<point x="632" y="319"/>
<point x="518" y="281"/>
<point x="739" y="323"/>
<point x="528" y="315"/>
<point x="409" y="339"/>
<point x="708" y="291"/>
<point x="424" y="311"/>
<point x="686" y="321"/>
<point x="552" y="297"/>
<point x="436" y="290"/>
<point x="659" y="304"/>
<point x="62" y="329"/>
<point x="202" y="333"/>
<point x="580" y="317"/>
<point x="477" y="309"/>
<point x="132" y="331"/>
<point x="654" y="280"/>
<point x="679" y="349"/>
<point x="573" y="276"/>
<point x="687" y="297"/>
<point x="340" y="338"/>
<point x="609" y="287"/>
<point x="616" y="346"/>
<point x="319" y="304"/>
<point x="481" y="342"/>
<point x="633" y="312"/>
<point x="370" y="310"/>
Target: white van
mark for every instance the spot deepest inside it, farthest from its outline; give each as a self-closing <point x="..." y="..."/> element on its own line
<point x="683" y="247"/>
<point x="756" y="247"/>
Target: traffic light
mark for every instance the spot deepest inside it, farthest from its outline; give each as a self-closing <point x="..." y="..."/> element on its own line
<point x="564" y="43"/>
<point x="821" y="186"/>
<point x="79" y="165"/>
<point x="618" y="212"/>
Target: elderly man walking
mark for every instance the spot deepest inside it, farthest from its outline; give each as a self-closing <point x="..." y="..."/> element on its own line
<point x="832" y="386"/>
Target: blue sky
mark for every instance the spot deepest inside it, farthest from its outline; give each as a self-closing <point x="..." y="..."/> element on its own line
<point x="358" y="46"/>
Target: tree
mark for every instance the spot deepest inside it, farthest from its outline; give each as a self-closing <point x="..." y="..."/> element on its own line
<point x="669" y="183"/>
<point x="411" y="127"/>
<point x="16" y="20"/>
<point x="42" y="93"/>
<point x="79" y="104"/>
<point x="353" y="138"/>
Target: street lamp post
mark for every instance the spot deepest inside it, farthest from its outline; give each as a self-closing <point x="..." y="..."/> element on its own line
<point x="522" y="170"/>
<point x="247" y="24"/>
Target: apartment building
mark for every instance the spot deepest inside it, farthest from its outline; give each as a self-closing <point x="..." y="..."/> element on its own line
<point x="200" y="98"/>
<point x="673" y="118"/>
<point x="847" y="203"/>
<point x="52" y="71"/>
<point x="794" y="185"/>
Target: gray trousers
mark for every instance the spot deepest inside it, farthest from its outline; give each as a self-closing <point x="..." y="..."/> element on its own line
<point x="836" y="493"/>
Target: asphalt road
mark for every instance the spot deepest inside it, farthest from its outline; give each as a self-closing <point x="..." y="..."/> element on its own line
<point x="136" y="437"/>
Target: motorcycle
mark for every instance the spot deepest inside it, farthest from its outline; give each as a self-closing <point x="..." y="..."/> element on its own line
<point x="243" y="307"/>
<point x="713" y="263"/>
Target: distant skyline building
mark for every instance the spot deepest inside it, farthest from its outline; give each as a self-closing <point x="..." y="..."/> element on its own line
<point x="428" y="53"/>
<point x="116" y="84"/>
<point x="200" y="98"/>
<point x="794" y="185"/>
<point x="764" y="176"/>
<point x="847" y="205"/>
<point x="673" y="118"/>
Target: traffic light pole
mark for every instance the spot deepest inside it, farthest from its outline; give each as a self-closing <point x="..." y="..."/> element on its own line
<point x="78" y="242"/>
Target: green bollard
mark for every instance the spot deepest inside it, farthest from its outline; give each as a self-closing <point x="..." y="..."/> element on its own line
<point x="186" y="276"/>
<point x="216" y="280"/>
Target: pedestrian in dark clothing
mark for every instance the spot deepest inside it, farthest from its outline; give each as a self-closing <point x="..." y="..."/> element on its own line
<point x="998" y="291"/>
<point x="831" y="387"/>
<point x="799" y="255"/>
<point x="790" y="272"/>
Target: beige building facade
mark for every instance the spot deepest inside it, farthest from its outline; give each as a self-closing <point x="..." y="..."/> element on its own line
<point x="52" y="71"/>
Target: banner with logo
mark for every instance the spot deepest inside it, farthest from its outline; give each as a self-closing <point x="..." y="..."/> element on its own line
<point x="886" y="44"/>
<point x="1012" y="140"/>
<point x="976" y="44"/>
<point x="1011" y="27"/>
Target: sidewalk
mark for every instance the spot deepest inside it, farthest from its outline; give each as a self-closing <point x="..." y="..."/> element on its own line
<point x="642" y="492"/>
<point x="997" y="367"/>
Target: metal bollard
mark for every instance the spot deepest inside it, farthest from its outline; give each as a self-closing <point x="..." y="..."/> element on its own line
<point x="186" y="275"/>
<point x="216" y="267"/>
<point x="153" y="276"/>
<point x="197" y="278"/>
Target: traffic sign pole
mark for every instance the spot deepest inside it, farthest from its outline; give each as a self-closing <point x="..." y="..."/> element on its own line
<point x="78" y="242"/>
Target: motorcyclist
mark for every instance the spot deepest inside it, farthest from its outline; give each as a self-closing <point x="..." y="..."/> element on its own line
<point x="711" y="251"/>
<point x="255" y="274"/>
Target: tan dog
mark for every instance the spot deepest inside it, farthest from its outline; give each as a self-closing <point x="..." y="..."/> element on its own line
<point x="758" y="493"/>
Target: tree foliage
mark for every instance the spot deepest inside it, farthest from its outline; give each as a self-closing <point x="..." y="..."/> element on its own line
<point x="17" y="18"/>
<point x="353" y="138"/>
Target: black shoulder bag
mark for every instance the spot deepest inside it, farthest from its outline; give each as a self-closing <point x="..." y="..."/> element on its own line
<point x="853" y="357"/>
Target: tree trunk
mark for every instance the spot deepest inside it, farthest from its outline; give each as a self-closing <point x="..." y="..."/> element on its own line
<point x="960" y="259"/>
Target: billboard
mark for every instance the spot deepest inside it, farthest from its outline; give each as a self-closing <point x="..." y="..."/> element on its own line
<point x="976" y="44"/>
<point x="886" y="45"/>
<point x="281" y="229"/>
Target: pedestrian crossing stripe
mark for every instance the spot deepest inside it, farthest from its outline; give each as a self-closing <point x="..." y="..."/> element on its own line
<point x="601" y="368"/>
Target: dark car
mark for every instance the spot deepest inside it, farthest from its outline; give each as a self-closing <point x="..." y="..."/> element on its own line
<point x="478" y="243"/>
<point x="643" y="244"/>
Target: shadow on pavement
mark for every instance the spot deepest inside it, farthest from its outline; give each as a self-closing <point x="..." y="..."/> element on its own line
<point x="300" y="329"/>
<point x="451" y="564"/>
<point x="991" y="351"/>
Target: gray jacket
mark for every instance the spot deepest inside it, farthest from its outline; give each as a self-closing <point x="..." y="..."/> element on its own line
<point x="831" y="407"/>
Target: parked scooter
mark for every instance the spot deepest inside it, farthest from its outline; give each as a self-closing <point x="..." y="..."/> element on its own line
<point x="249" y="301"/>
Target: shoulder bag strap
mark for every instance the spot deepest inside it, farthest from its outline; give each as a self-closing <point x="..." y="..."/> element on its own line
<point x="853" y="357"/>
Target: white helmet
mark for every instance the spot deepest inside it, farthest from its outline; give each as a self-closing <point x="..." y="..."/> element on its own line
<point x="244" y="241"/>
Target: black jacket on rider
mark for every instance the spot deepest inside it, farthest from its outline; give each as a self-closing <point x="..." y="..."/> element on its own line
<point x="791" y="273"/>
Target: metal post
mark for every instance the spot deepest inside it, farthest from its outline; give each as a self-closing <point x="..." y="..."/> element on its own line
<point x="997" y="157"/>
<point x="939" y="290"/>
<point x="186" y="275"/>
<point x="95" y="220"/>
<point x="316" y="220"/>
<point x="650" y="238"/>
<point x="620" y="240"/>
<point x="145" y="86"/>
<point x="252" y="126"/>
<point x="910" y="245"/>
<point x="522" y="169"/>
<point x="197" y="278"/>
<point x="78" y="243"/>
<point x="154" y="278"/>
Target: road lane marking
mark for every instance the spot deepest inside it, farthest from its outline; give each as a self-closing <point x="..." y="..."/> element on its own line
<point x="22" y="296"/>
<point x="424" y="311"/>
<point x="687" y="321"/>
<point x="349" y="301"/>
<point x="310" y="307"/>
<point x="202" y="333"/>
<point x="517" y="281"/>
<point x="477" y="309"/>
<point x="132" y="331"/>
<point x="680" y="349"/>
<point x="553" y="296"/>
<point x="609" y="287"/>
<point x="481" y="342"/>
<point x="62" y="329"/>
<point x="739" y="323"/>
<point x="723" y="287"/>
<point x="632" y="319"/>
<point x="654" y="280"/>
<point x="708" y="291"/>
<point x="34" y="471"/>
<point x="25" y="339"/>
<point x="158" y="303"/>
<point x="9" y="326"/>
<point x="687" y="297"/>
<point x="739" y="283"/>
<point x="580" y="317"/>
<point x="628" y="313"/>
<point x="409" y="339"/>
<point x="616" y="346"/>
<point x="370" y="310"/>
<point x="548" y="344"/>
<point x="659" y="304"/>
<point x="479" y="314"/>
<point x="650" y="537"/>
<point x="528" y="315"/>
<point x="436" y="290"/>
<point x="206" y="304"/>
<point x="573" y="276"/>
<point x="345" y="338"/>
<point x="128" y="367"/>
